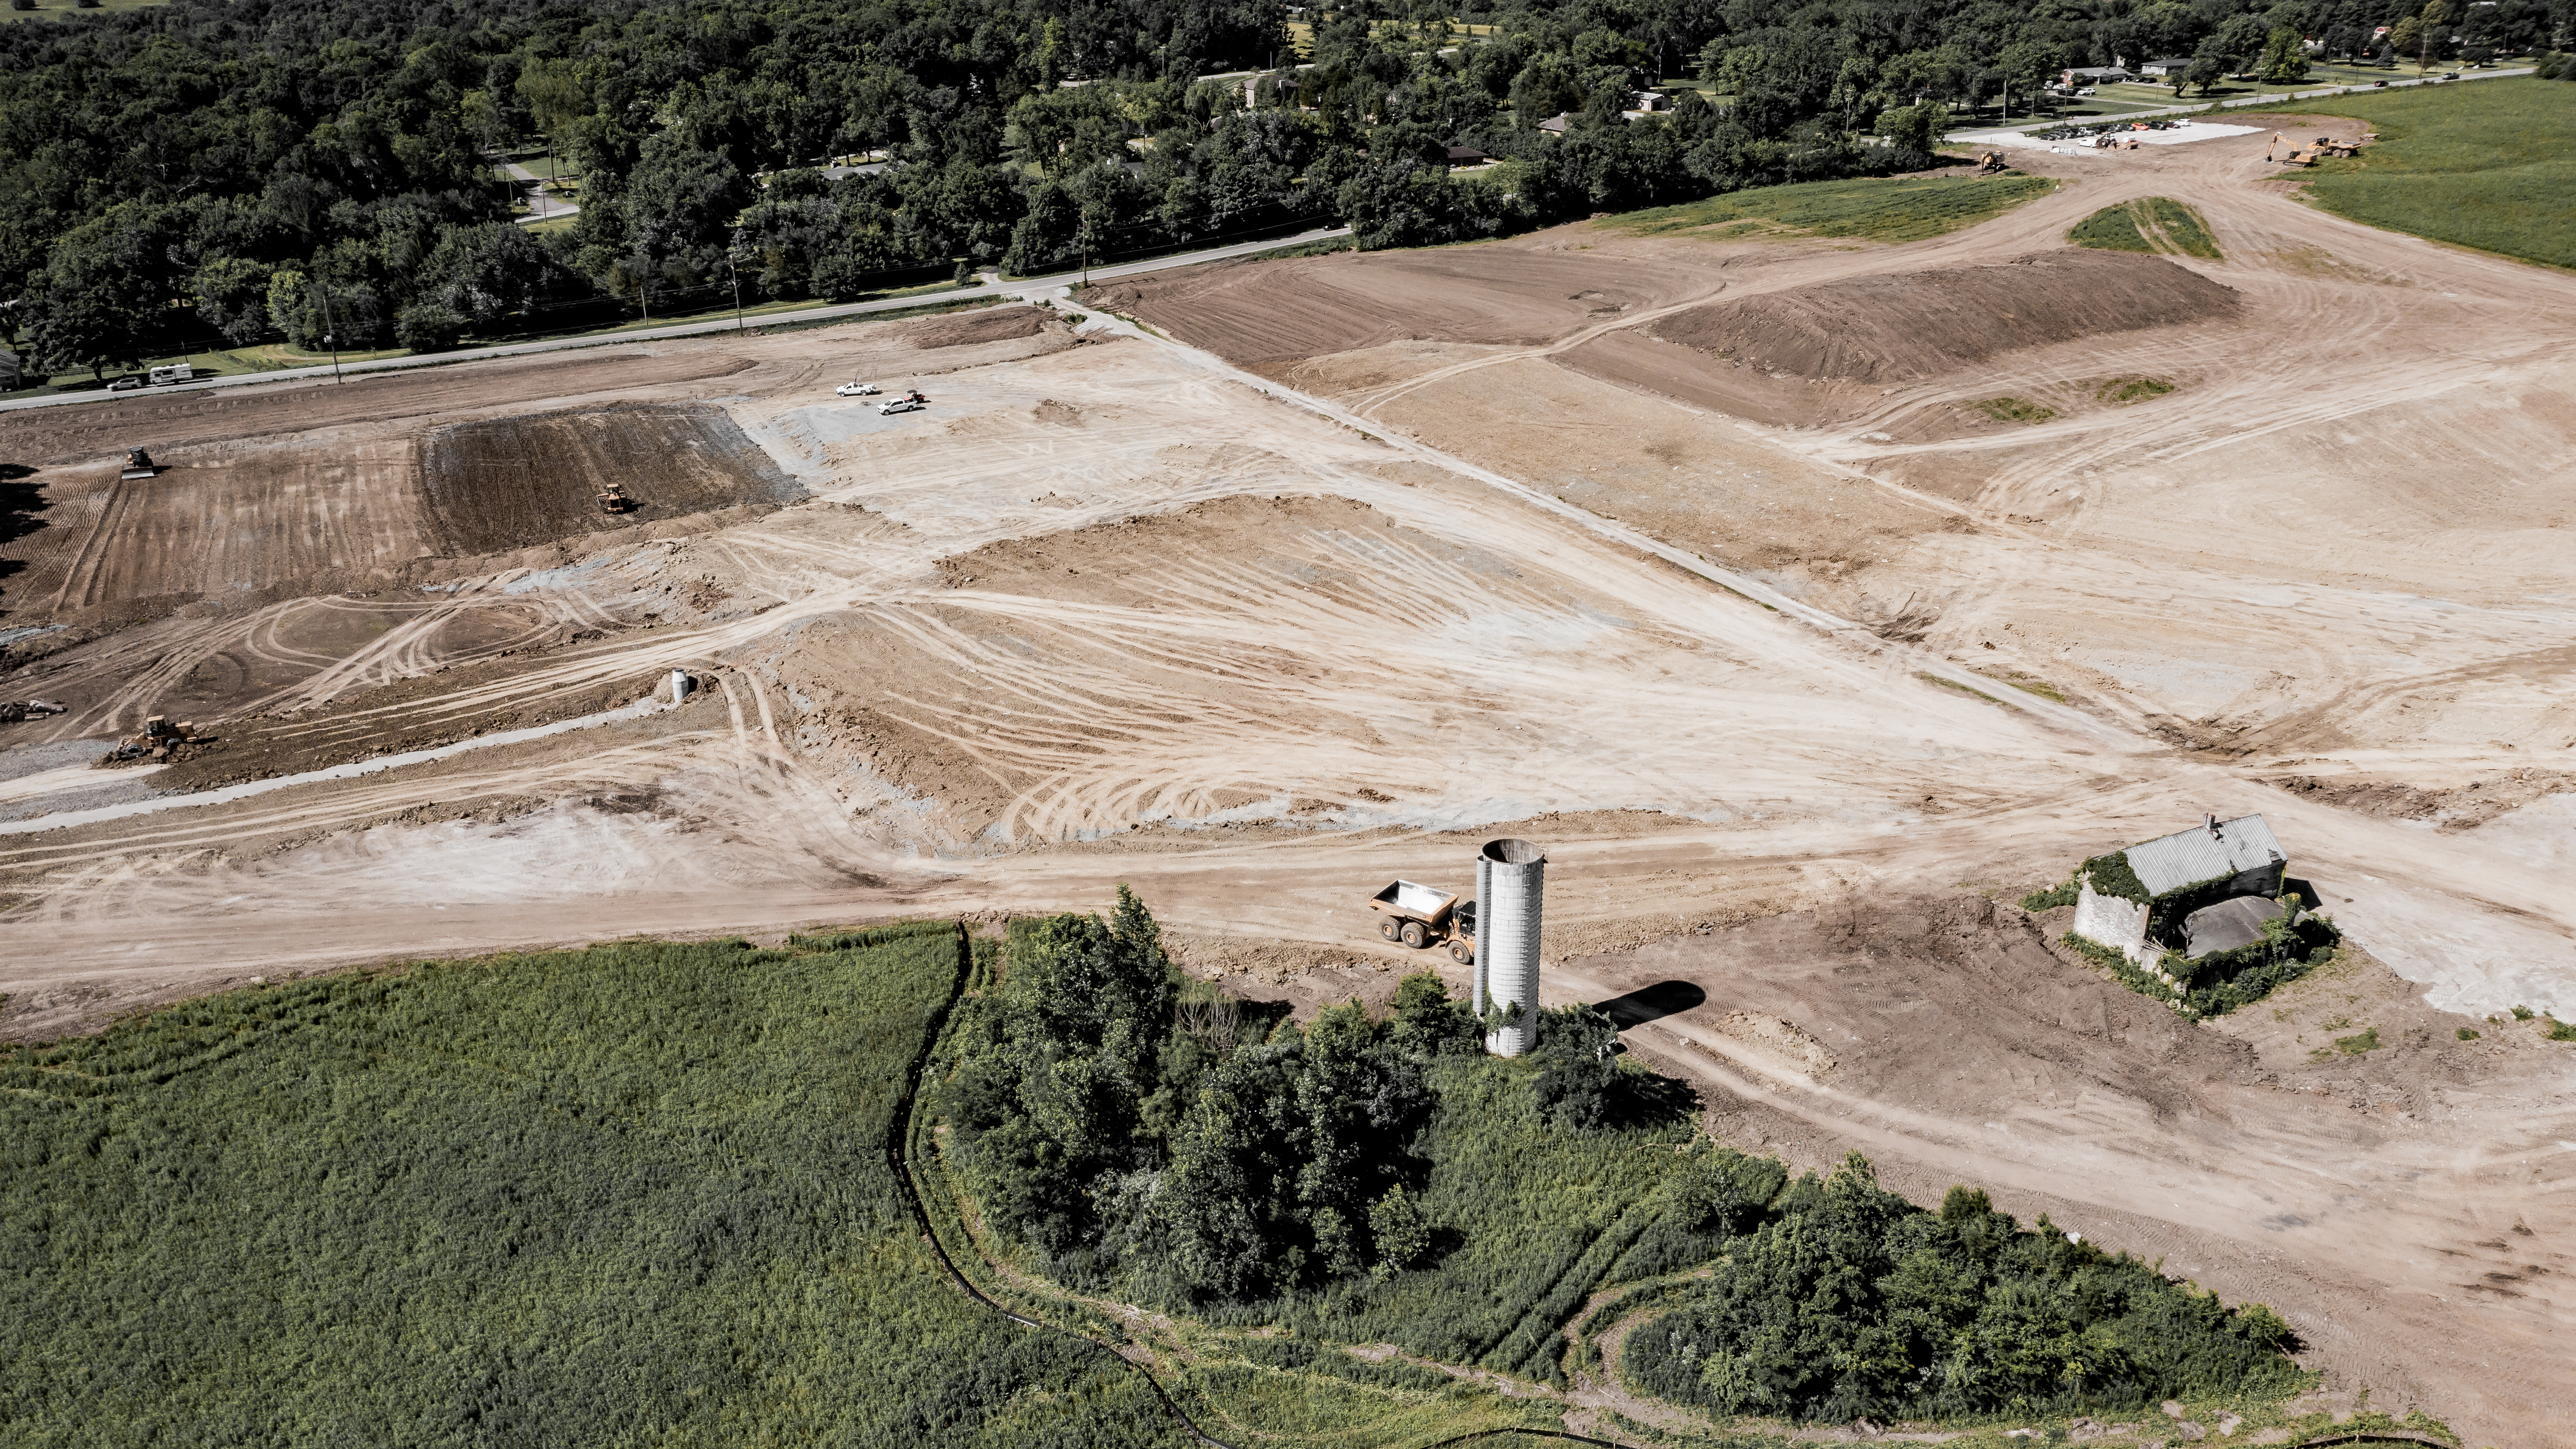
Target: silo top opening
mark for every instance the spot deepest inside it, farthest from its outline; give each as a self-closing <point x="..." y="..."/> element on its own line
<point x="1513" y="852"/>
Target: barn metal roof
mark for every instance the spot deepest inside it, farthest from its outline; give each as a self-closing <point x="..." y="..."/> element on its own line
<point x="2173" y="861"/>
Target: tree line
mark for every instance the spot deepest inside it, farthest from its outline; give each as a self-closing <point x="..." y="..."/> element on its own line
<point x="252" y="169"/>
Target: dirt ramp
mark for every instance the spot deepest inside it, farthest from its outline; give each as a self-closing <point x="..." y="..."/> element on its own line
<point x="1261" y="314"/>
<point x="1921" y="324"/>
<point x="506" y="483"/>
<point x="989" y="324"/>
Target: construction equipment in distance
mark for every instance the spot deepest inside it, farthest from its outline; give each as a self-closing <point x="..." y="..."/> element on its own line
<point x="613" y="499"/>
<point x="158" y="739"/>
<point x="138" y="464"/>
<point x="1990" y="163"/>
<point x="2323" y="147"/>
<point x="1421" y="916"/>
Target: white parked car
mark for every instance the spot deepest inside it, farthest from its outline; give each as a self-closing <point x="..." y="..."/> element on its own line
<point x="895" y="405"/>
<point x="857" y="389"/>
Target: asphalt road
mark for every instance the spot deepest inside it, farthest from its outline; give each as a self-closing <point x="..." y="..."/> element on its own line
<point x="541" y="206"/>
<point x="990" y="286"/>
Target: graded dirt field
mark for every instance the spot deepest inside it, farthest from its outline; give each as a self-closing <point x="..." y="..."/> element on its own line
<point x="1809" y="599"/>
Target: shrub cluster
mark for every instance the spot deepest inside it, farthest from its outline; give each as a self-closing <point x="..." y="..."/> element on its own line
<point x="1850" y="1302"/>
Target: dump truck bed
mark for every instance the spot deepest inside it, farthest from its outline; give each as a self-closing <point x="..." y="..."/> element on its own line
<point x="1408" y="901"/>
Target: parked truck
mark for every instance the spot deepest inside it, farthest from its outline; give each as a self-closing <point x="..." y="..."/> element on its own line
<point x="1423" y="916"/>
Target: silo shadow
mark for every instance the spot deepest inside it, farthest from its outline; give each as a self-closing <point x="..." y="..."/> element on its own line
<point x="1651" y="1003"/>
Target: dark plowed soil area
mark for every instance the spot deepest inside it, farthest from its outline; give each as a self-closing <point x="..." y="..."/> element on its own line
<point x="991" y="324"/>
<point x="1920" y="324"/>
<point x="509" y="482"/>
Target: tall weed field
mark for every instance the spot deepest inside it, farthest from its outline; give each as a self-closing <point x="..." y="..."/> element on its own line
<point x="630" y="1195"/>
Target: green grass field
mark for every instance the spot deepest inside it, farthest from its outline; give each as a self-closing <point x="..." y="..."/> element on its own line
<point x="1899" y="210"/>
<point x="625" y="1196"/>
<point x="2490" y="165"/>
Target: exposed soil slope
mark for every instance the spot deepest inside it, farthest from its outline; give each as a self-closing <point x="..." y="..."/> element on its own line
<point x="1512" y="293"/>
<point x="512" y="481"/>
<point x="989" y="324"/>
<point x="1917" y="324"/>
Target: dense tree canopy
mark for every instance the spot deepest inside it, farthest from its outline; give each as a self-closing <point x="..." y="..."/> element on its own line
<point x="241" y="167"/>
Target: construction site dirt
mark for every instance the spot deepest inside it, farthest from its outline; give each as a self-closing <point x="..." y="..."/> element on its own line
<point x="1803" y="663"/>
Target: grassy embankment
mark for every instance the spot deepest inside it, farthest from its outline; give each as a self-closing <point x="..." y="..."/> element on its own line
<point x="1868" y="208"/>
<point x="626" y="1195"/>
<point x="2489" y="165"/>
<point x="2147" y="224"/>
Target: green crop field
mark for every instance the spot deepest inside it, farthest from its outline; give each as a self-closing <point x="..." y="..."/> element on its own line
<point x="2490" y="165"/>
<point x="631" y="1195"/>
<point x="1901" y="209"/>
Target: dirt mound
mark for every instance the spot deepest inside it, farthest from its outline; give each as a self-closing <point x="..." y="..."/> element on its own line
<point x="990" y="324"/>
<point x="1920" y="324"/>
<point x="509" y="482"/>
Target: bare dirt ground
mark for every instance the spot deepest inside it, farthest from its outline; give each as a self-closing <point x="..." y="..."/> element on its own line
<point x="1421" y="569"/>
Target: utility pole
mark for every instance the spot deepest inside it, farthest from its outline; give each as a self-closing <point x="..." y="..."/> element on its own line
<point x="737" y="291"/>
<point x="331" y="329"/>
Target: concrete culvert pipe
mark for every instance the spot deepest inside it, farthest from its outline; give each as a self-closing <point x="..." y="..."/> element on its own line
<point x="680" y="685"/>
<point x="1511" y="882"/>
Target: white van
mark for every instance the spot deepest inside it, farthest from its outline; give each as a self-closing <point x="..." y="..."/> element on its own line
<point x="177" y="372"/>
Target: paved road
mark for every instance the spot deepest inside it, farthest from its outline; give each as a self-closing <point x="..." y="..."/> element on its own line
<point x="541" y="206"/>
<point x="988" y="285"/>
<point x="1972" y="136"/>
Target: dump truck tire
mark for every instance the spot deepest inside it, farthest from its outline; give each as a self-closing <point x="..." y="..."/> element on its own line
<point x="1386" y="928"/>
<point x="1415" y="936"/>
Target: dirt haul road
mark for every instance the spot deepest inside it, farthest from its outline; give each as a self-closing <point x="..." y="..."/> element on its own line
<point x="1106" y="611"/>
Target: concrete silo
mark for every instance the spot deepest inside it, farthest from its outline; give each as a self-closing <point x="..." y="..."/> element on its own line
<point x="1511" y="880"/>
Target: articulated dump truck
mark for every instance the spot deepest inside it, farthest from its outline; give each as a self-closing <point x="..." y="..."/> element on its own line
<point x="1422" y="916"/>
